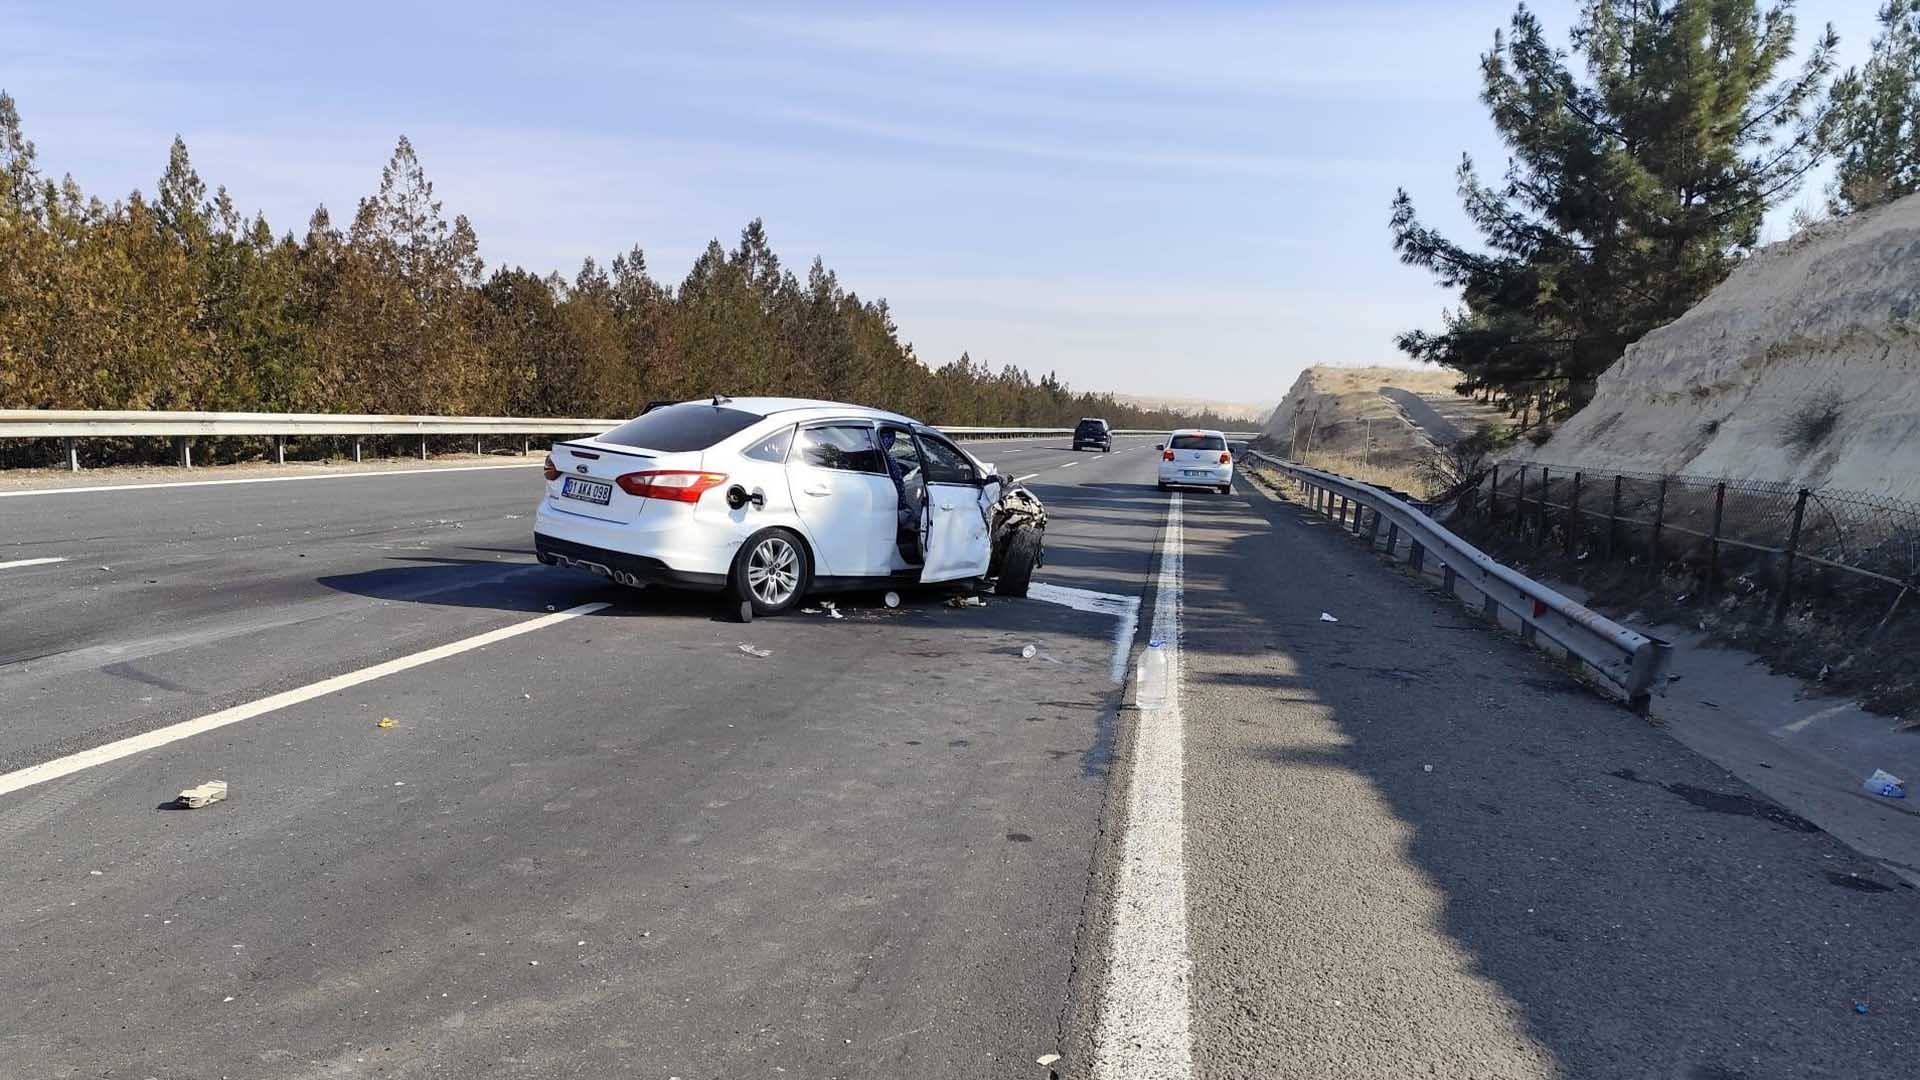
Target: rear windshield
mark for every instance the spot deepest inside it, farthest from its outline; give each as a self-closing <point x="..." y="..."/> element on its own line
<point x="1093" y="425"/>
<point x="1199" y="442"/>
<point x="679" y="428"/>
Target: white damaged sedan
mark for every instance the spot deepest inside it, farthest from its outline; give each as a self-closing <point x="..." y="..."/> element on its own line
<point x="770" y="499"/>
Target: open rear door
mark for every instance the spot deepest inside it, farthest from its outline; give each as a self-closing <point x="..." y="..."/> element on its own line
<point x="954" y="538"/>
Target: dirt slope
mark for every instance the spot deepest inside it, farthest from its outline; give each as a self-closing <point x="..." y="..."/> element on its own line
<point x="1804" y="366"/>
<point x="1391" y="416"/>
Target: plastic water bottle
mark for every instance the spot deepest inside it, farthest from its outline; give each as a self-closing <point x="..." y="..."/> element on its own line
<point x="1152" y="676"/>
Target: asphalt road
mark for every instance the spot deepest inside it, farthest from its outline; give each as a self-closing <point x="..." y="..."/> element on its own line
<point x="616" y="844"/>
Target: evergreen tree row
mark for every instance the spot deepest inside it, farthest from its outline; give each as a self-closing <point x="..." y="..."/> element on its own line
<point x="178" y="301"/>
<point x="1644" y="158"/>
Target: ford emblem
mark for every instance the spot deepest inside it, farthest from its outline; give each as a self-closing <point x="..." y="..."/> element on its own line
<point x="580" y="468"/>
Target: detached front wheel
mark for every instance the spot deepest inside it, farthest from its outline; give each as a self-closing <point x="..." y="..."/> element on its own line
<point x="770" y="572"/>
<point x="1017" y="564"/>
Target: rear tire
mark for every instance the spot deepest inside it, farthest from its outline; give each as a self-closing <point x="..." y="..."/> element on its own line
<point x="1017" y="565"/>
<point x="770" y="574"/>
<point x="1164" y="487"/>
<point x="1226" y="489"/>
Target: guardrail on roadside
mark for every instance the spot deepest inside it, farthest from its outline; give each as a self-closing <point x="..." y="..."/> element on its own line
<point x="1629" y="661"/>
<point x="69" y="425"/>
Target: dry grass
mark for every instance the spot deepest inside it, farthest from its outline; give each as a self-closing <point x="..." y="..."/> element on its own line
<point x="1397" y="477"/>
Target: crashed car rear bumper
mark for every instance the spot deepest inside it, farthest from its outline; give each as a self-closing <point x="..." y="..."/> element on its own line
<point x="620" y="566"/>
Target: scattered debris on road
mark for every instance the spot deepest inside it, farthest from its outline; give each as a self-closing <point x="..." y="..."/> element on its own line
<point x="752" y="651"/>
<point x="386" y="722"/>
<point x="1028" y="652"/>
<point x="1324" y="617"/>
<point x="832" y="611"/>
<point x="1885" y="783"/>
<point x="205" y="794"/>
<point x="892" y="599"/>
<point x="966" y="601"/>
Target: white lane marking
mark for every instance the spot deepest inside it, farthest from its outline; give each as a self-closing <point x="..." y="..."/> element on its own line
<point x="1029" y="476"/>
<point x="1808" y="720"/>
<point x="1069" y="464"/>
<point x="134" y="744"/>
<point x="1143" y="1031"/>
<point x="17" y="563"/>
<point x="1124" y="608"/>
<point x="263" y="480"/>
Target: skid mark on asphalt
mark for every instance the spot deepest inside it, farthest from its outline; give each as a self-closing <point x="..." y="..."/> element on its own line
<point x="1143" y="1031"/>
<point x="135" y="744"/>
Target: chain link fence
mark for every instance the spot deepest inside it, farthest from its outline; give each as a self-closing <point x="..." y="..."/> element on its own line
<point x="1806" y="546"/>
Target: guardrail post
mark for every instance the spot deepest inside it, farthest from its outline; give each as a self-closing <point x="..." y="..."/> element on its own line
<point x="1359" y="512"/>
<point x="1786" y="562"/>
<point x="73" y="454"/>
<point x="1417" y="557"/>
<point x="423" y="448"/>
<point x="1713" y="537"/>
<point x="1659" y="519"/>
<point x="186" y="452"/>
<point x="1393" y="540"/>
<point x="1373" y="531"/>
<point x="356" y="451"/>
<point x="1446" y="579"/>
<point x="1540" y="521"/>
<point x="1573" y="517"/>
<point x="279" y="449"/>
<point x="476" y="446"/>
<point x="1493" y="498"/>
<point x="1613" y="515"/>
<point x="526" y="445"/>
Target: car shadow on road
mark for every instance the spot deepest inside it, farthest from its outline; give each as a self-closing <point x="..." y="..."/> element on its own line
<point x="1635" y="909"/>
<point x="512" y="585"/>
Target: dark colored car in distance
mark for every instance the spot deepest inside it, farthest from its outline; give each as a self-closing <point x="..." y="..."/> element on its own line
<point x="1093" y="431"/>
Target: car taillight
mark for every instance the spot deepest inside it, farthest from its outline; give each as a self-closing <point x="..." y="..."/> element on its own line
<point x="1226" y="459"/>
<point x="677" y="486"/>
<point x="552" y="470"/>
<point x="1166" y="455"/>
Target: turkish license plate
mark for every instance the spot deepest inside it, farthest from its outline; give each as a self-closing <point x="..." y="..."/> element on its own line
<point x="592" y="491"/>
<point x="1193" y="472"/>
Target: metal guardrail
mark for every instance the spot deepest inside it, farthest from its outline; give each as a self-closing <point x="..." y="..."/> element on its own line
<point x="1633" y="663"/>
<point x="71" y="424"/>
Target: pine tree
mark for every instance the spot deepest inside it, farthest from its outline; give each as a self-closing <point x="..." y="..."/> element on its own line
<point x="1873" y="125"/>
<point x="1631" y="192"/>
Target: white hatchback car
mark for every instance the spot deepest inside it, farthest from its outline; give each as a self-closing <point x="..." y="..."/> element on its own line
<point x="1196" y="458"/>
<point x="773" y="498"/>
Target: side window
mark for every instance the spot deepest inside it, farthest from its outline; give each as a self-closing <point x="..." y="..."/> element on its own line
<point x="848" y="448"/>
<point x="945" y="463"/>
<point x="899" y="446"/>
<point x="772" y="448"/>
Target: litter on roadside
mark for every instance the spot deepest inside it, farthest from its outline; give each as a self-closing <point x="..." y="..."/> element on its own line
<point x="966" y="601"/>
<point x="210" y="792"/>
<point x="1324" y="617"/>
<point x="752" y="651"/>
<point x="386" y="722"/>
<point x="1028" y="652"/>
<point x="1885" y="783"/>
<point x="832" y="611"/>
<point x="892" y="599"/>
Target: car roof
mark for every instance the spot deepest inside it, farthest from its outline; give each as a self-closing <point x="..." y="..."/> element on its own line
<point x="804" y="408"/>
<point x="1198" y="431"/>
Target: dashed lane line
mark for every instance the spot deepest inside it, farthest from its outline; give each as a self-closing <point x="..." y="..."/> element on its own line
<point x="172" y="733"/>
<point x="87" y="490"/>
<point x="18" y="563"/>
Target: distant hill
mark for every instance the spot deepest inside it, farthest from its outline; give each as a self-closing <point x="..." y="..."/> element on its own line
<point x="1255" y="413"/>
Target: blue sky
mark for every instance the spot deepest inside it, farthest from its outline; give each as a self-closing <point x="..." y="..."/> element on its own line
<point x="1143" y="199"/>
